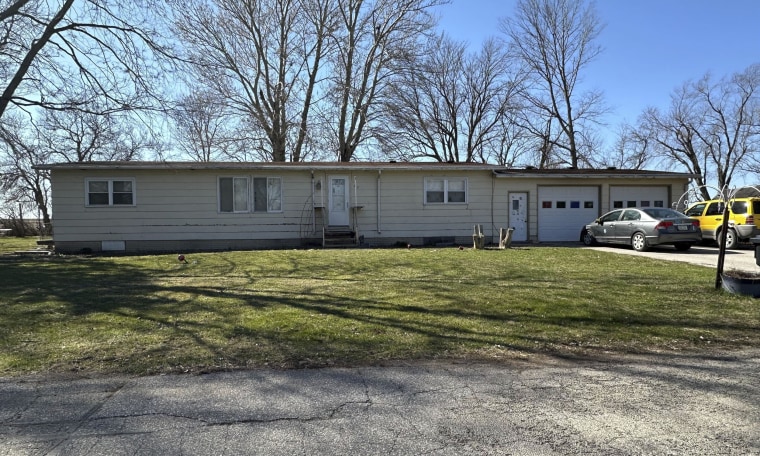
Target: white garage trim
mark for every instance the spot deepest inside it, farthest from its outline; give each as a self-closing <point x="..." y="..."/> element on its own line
<point x="563" y="210"/>
<point x="638" y="196"/>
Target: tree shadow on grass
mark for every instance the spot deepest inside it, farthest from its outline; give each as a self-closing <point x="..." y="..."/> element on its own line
<point x="232" y="318"/>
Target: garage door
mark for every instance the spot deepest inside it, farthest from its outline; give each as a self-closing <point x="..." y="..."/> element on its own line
<point x="638" y="196"/>
<point x="563" y="211"/>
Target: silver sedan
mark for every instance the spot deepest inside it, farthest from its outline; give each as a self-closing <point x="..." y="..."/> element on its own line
<point x="643" y="228"/>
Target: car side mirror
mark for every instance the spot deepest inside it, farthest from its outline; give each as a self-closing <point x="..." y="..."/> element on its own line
<point x="599" y="221"/>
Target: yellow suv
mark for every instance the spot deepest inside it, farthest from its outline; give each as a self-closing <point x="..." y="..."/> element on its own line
<point x="743" y="221"/>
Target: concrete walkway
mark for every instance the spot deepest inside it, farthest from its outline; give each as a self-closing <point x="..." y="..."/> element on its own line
<point x="742" y="258"/>
<point x="655" y="404"/>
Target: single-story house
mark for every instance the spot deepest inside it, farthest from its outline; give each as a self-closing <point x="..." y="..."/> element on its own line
<point x="186" y="206"/>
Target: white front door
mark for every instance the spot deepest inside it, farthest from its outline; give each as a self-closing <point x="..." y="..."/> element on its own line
<point x="518" y="216"/>
<point x="338" y="201"/>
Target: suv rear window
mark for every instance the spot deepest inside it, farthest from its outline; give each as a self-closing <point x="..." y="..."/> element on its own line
<point x="739" y="207"/>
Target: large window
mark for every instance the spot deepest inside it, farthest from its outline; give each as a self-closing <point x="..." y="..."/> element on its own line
<point x="110" y="192"/>
<point x="235" y="194"/>
<point x="445" y="191"/>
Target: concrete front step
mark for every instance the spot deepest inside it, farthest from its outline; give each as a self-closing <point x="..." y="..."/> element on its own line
<point x="339" y="237"/>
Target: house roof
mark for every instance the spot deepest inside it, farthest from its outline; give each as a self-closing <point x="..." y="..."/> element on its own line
<point x="188" y="165"/>
<point x="589" y="173"/>
<point x="498" y="170"/>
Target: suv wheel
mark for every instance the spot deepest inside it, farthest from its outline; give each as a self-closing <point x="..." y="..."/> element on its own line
<point x="731" y="239"/>
<point x="639" y="242"/>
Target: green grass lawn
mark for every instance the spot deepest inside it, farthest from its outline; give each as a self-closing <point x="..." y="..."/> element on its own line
<point x="9" y="244"/>
<point x="307" y="308"/>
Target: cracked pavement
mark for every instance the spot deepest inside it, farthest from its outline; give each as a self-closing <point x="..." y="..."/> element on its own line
<point x="637" y="404"/>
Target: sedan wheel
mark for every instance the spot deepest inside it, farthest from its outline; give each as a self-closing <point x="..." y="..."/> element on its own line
<point x="588" y="239"/>
<point x="639" y="242"/>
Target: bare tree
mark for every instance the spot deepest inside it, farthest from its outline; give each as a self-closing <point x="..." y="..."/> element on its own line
<point x="555" y="39"/>
<point x="109" y="48"/>
<point x="263" y="58"/>
<point x="67" y="136"/>
<point x="76" y="136"/>
<point x="203" y="128"/>
<point x="711" y="129"/>
<point x="732" y="122"/>
<point x="372" y="39"/>
<point x="453" y="106"/>
<point x="424" y="104"/>
<point x="631" y="150"/>
<point x="20" y="182"/>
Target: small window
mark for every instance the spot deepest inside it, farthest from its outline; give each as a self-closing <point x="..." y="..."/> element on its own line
<point x="612" y="216"/>
<point x="588" y="204"/>
<point x="575" y="204"/>
<point x="546" y="204"/>
<point x="561" y="204"/>
<point x="456" y="191"/>
<point x="631" y="204"/>
<point x="659" y="203"/>
<point x="696" y="210"/>
<point x="645" y="203"/>
<point x="233" y="194"/>
<point x="435" y="191"/>
<point x="631" y="215"/>
<point x="110" y="192"/>
<point x="445" y="191"/>
<point x="267" y="194"/>
<point x="617" y="205"/>
<point x="714" y="209"/>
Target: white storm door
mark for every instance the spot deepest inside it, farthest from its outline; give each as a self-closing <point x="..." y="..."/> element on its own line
<point x="338" y="201"/>
<point x="518" y="216"/>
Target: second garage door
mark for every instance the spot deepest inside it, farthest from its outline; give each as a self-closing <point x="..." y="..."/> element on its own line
<point x="563" y="211"/>
<point x="640" y="196"/>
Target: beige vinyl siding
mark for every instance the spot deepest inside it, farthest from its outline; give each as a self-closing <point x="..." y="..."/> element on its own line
<point x="179" y="207"/>
<point x="675" y="186"/>
<point x="404" y="214"/>
<point x="170" y="206"/>
<point x="183" y="205"/>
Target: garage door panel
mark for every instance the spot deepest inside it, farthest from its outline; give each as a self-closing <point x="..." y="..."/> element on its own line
<point x="638" y="196"/>
<point x="562" y="211"/>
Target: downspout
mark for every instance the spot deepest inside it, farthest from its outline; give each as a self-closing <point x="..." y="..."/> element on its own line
<point x="379" y="172"/>
<point x="313" y="206"/>
<point x="493" y="203"/>
<point x="355" y="211"/>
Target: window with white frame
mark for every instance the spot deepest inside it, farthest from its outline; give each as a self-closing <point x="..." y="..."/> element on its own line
<point x="267" y="194"/>
<point x="445" y="190"/>
<point x="235" y="194"/>
<point x="110" y="192"/>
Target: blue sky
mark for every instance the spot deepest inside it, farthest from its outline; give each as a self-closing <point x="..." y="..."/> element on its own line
<point x="650" y="47"/>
